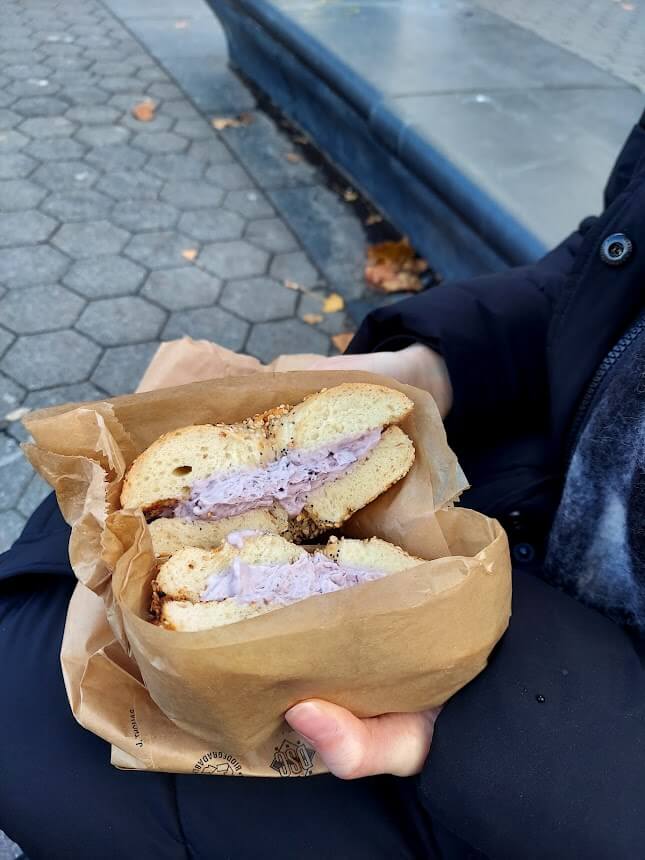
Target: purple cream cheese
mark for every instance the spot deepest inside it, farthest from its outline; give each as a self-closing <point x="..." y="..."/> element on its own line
<point x="284" y="583"/>
<point x="288" y="481"/>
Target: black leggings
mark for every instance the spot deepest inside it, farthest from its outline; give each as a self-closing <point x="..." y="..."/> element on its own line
<point x="60" y="798"/>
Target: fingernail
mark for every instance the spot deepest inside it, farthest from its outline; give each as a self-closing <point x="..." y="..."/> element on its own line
<point x="308" y="720"/>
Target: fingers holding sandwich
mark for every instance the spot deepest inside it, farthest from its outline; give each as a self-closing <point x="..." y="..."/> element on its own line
<point x="352" y="748"/>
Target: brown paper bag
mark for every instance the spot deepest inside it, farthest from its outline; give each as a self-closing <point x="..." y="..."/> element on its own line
<point x="178" y="362"/>
<point x="212" y="702"/>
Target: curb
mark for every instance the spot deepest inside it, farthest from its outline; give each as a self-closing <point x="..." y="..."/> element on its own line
<point x="448" y="217"/>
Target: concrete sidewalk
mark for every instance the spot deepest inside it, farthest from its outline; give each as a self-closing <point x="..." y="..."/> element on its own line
<point x="608" y="33"/>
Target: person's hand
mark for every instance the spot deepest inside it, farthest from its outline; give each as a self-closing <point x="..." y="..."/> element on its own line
<point x="353" y="748"/>
<point x="416" y="365"/>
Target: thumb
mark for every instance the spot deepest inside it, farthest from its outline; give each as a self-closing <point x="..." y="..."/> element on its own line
<point x="352" y="748"/>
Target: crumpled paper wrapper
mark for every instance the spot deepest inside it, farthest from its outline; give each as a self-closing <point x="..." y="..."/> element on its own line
<point x="212" y="702"/>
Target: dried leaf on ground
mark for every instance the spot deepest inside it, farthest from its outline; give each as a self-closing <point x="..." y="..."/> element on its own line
<point x="373" y="218"/>
<point x="294" y="285"/>
<point x="144" y="111"/>
<point x="219" y="123"/>
<point x="350" y="196"/>
<point x="312" y="319"/>
<point x="293" y="157"/>
<point x="189" y="254"/>
<point x="393" y="267"/>
<point x="17" y="414"/>
<point x="333" y="303"/>
<point x="342" y="341"/>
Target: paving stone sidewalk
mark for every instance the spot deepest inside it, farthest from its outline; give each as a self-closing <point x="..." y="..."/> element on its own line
<point x="97" y="210"/>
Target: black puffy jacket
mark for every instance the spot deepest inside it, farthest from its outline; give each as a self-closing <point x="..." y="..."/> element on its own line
<point x="543" y="755"/>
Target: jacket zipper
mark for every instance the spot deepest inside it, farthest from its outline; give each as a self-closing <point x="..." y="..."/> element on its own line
<point x="605" y="366"/>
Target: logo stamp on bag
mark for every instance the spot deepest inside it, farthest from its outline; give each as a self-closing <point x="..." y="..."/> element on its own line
<point x="218" y="764"/>
<point x="293" y="759"/>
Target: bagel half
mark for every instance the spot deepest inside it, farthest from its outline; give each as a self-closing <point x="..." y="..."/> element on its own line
<point x="181" y="587"/>
<point x="347" y="434"/>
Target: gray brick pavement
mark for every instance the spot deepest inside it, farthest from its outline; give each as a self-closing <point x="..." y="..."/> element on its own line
<point x="97" y="208"/>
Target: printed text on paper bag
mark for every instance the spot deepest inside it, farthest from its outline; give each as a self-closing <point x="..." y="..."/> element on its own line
<point x="135" y="728"/>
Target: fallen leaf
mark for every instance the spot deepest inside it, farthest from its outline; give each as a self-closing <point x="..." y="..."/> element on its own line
<point x="189" y="254"/>
<point x="342" y="341"/>
<point x="312" y="319"/>
<point x="144" y="111"/>
<point x="349" y="195"/>
<point x="17" y="414"/>
<point x="384" y="279"/>
<point x="294" y="285"/>
<point x="393" y="267"/>
<point x="373" y="218"/>
<point x="181" y="25"/>
<point x="293" y="157"/>
<point x="398" y="253"/>
<point x="219" y="123"/>
<point x="333" y="303"/>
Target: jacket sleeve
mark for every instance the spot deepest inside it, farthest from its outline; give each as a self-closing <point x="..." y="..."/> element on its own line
<point x="490" y="330"/>
<point x="543" y="754"/>
<point x="627" y="162"/>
